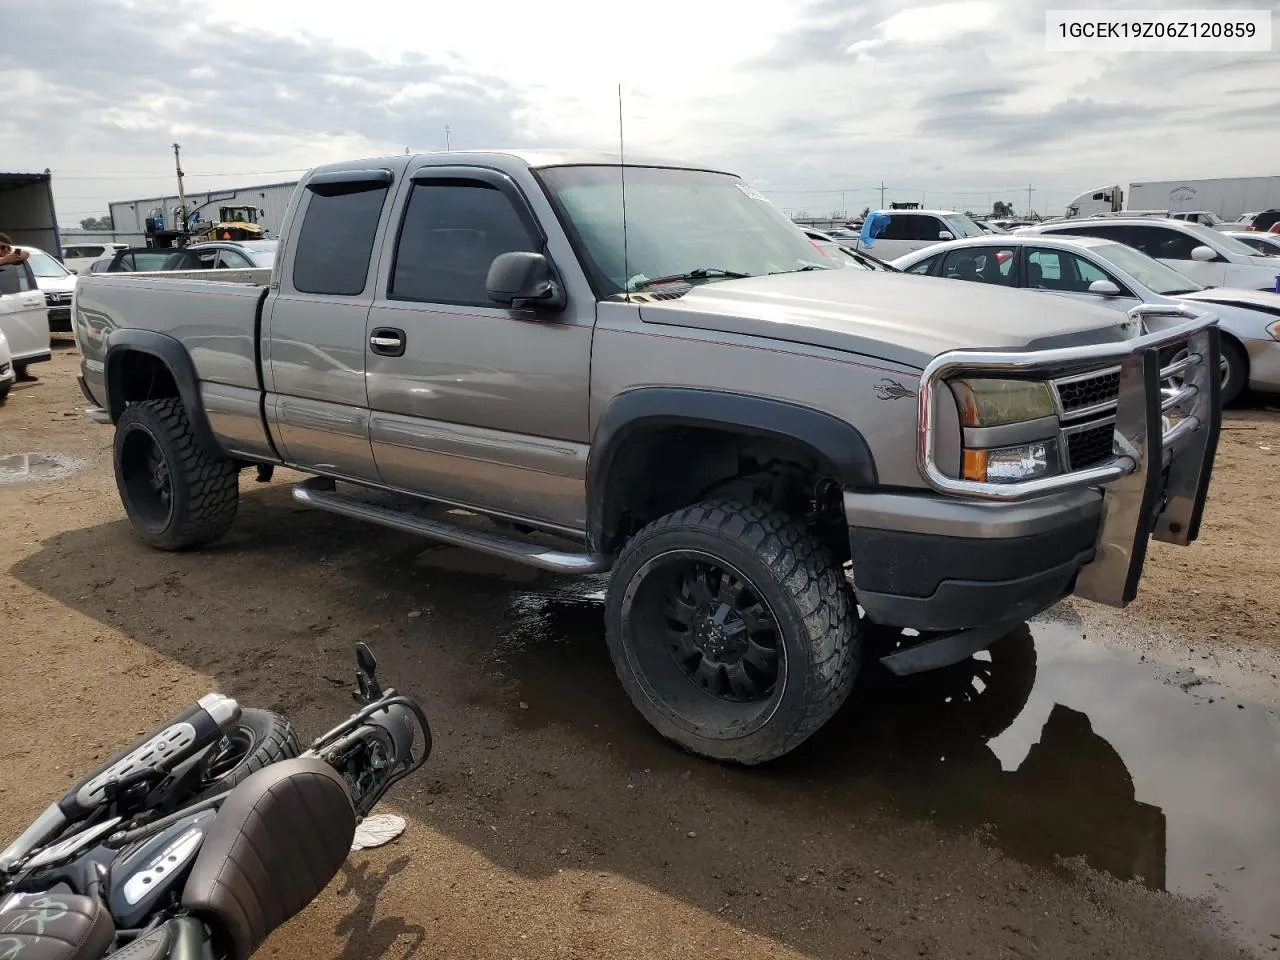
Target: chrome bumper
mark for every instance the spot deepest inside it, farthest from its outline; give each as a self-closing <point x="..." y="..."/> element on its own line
<point x="1164" y="443"/>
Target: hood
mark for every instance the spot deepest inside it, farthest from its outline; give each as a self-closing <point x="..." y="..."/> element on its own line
<point x="56" y="284"/>
<point x="904" y="319"/>
<point x="1255" y="299"/>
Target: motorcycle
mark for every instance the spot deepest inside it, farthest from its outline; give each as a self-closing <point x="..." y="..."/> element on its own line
<point x="185" y="848"/>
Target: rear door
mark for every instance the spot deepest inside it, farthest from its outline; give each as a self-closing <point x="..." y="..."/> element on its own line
<point x="313" y="329"/>
<point x="23" y="315"/>
<point x="478" y="403"/>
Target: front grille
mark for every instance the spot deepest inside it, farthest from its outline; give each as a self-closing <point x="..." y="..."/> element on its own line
<point x="57" y="299"/>
<point x="1090" y="446"/>
<point x="1088" y="392"/>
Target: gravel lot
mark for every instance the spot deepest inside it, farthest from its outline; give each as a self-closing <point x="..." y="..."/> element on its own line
<point x="552" y="823"/>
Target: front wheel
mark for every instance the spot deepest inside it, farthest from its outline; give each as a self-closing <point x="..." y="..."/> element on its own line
<point x="176" y="493"/>
<point x="1235" y="370"/>
<point x="732" y="630"/>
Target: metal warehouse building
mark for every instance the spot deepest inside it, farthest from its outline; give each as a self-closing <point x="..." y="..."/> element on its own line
<point x="129" y="217"/>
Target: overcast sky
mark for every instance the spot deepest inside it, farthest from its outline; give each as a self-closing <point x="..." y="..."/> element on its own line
<point x="956" y="103"/>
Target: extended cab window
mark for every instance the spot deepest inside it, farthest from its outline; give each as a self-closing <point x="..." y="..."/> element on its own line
<point x="452" y="231"/>
<point x="336" y="239"/>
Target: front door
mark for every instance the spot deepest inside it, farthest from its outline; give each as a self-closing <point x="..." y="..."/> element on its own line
<point x="473" y="402"/>
<point x="314" y="326"/>
<point x="24" y="318"/>
<point x="1068" y="274"/>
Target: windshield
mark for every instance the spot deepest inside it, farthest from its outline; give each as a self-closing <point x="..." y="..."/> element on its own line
<point x="43" y="265"/>
<point x="1219" y="240"/>
<point x="677" y="221"/>
<point x="962" y="226"/>
<point x="1151" y="273"/>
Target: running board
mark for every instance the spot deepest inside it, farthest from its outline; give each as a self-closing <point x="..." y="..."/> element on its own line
<point x="319" y="492"/>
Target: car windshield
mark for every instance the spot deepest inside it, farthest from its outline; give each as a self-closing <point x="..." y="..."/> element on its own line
<point x="1218" y="240"/>
<point x="1149" y="272"/>
<point x="678" y="221"/>
<point x="962" y="226"/>
<point x="44" y="266"/>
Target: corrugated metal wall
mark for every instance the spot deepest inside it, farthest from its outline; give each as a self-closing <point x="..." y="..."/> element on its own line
<point x="130" y="216"/>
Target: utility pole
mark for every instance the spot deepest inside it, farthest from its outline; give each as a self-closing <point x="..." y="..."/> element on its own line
<point x="844" y="211"/>
<point x="881" y="194"/>
<point x="182" y="196"/>
<point x="1029" y="211"/>
<point x="447" y="143"/>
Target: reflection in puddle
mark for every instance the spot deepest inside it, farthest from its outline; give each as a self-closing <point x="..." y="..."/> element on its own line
<point x="1052" y="746"/>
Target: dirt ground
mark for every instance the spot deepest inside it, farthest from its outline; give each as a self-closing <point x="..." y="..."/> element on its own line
<point x="550" y="823"/>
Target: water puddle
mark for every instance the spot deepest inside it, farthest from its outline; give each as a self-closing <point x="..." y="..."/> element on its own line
<point x="31" y="467"/>
<point x="1052" y="745"/>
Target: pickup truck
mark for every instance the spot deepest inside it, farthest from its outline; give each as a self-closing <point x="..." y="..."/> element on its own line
<point x="647" y="370"/>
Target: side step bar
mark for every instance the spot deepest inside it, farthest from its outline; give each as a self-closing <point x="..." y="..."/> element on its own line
<point x="318" y="492"/>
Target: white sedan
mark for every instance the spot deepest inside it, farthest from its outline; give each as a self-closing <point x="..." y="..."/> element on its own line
<point x="1209" y="257"/>
<point x="1267" y="244"/>
<point x="1101" y="271"/>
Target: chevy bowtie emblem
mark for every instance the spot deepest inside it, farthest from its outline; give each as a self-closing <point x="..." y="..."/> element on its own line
<point x="888" y="389"/>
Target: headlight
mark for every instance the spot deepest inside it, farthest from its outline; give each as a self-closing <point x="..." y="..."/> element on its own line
<point x="993" y="403"/>
<point x="1274" y="330"/>
<point x="1026" y="461"/>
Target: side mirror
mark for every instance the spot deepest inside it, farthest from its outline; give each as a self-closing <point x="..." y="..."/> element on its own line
<point x="1204" y="254"/>
<point x="946" y="235"/>
<point x="1104" y="288"/>
<point x="76" y="272"/>
<point x="522" y="280"/>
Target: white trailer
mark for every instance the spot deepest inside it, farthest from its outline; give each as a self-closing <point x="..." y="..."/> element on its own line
<point x="1228" y="197"/>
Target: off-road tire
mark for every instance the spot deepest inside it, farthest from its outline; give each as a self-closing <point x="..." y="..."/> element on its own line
<point x="803" y="587"/>
<point x="4" y="393"/>
<point x="270" y="740"/>
<point x="204" y="488"/>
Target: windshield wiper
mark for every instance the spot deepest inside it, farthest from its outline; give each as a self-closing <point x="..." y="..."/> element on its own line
<point x="698" y="273"/>
<point x="805" y="269"/>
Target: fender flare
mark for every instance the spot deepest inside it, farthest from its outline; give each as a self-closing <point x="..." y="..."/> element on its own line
<point x="175" y="357"/>
<point x="835" y="444"/>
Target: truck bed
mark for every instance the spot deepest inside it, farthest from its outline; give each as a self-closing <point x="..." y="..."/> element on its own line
<point x="214" y="314"/>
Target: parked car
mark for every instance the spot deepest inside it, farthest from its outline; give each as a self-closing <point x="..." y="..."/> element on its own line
<point x="1264" y="221"/>
<point x="1209" y="257"/>
<point x="910" y="230"/>
<point x="1267" y="244"/>
<point x="57" y="283"/>
<point x="236" y="254"/>
<point x="1118" y="276"/>
<point x="78" y="257"/>
<point x="1206" y="218"/>
<point x="24" y="317"/>
<point x="695" y="405"/>
<point x="6" y="368"/>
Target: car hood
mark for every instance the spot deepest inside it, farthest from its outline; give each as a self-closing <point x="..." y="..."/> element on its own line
<point x="56" y="284"/>
<point x="905" y="319"/>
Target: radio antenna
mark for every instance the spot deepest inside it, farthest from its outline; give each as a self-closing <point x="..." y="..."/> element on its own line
<point x="622" y="173"/>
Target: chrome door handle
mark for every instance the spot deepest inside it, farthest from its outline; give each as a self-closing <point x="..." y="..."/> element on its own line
<point x="387" y="341"/>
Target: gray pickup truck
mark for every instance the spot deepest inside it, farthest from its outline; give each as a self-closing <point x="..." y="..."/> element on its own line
<point x="647" y="370"/>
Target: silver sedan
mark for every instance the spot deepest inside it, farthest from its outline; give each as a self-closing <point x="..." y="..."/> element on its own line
<point x="1102" y="271"/>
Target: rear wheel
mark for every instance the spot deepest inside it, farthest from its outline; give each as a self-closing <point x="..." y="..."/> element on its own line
<point x="261" y="738"/>
<point x="732" y="630"/>
<point x="176" y="494"/>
